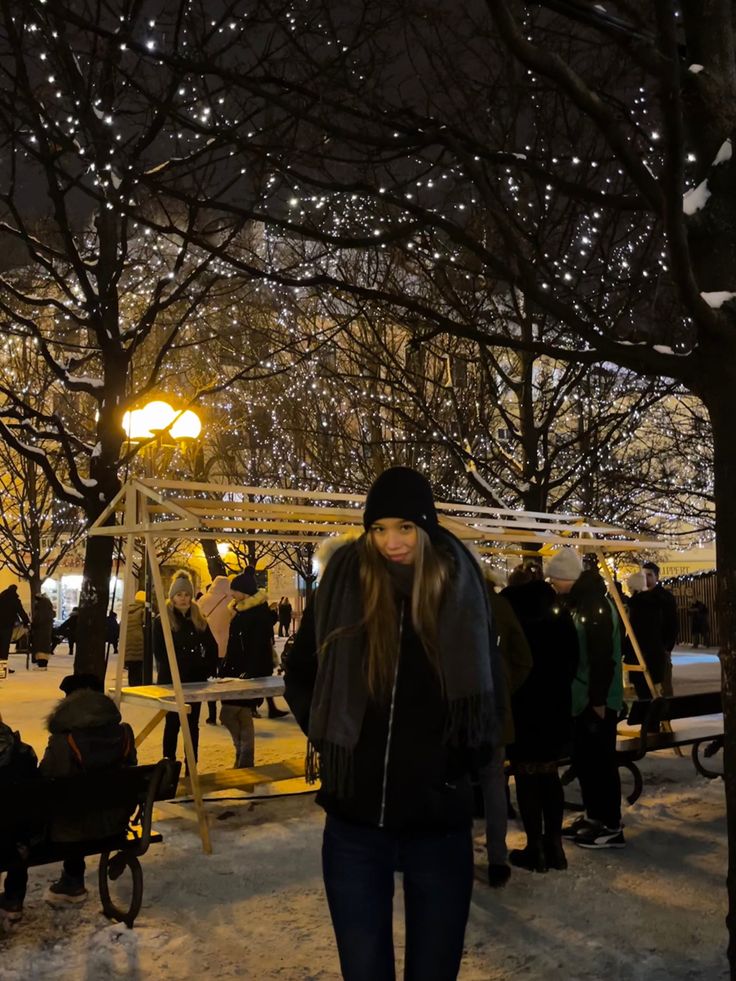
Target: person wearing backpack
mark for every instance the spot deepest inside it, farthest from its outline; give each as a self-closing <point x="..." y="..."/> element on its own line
<point x="85" y="734"/>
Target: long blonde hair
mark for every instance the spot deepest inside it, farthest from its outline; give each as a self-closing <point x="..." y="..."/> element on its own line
<point x="380" y="615"/>
<point x="196" y="614"/>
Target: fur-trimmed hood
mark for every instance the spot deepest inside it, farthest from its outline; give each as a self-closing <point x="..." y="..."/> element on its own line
<point x="329" y="546"/>
<point x="83" y="709"/>
<point x="239" y="606"/>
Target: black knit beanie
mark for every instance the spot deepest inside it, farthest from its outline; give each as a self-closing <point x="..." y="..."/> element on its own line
<point x="245" y="582"/>
<point x="401" y="493"/>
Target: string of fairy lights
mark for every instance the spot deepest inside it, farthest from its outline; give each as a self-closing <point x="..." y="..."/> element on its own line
<point x="291" y="420"/>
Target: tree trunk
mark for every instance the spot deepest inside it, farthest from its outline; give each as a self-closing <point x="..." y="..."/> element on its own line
<point x="93" y="601"/>
<point x="724" y="445"/>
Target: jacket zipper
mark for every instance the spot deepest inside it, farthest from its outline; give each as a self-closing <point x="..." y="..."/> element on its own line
<point x="390" y="723"/>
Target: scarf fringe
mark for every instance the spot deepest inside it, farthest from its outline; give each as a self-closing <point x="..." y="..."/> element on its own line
<point x="331" y="764"/>
<point x="471" y="720"/>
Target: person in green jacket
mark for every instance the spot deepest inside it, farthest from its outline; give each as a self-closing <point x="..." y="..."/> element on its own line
<point x="597" y="699"/>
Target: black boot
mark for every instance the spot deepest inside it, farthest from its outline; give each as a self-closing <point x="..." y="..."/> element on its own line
<point x="531" y="858"/>
<point x="273" y="712"/>
<point x="554" y="852"/>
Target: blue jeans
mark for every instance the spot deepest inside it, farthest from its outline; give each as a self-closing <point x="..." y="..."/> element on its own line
<point x="358" y="864"/>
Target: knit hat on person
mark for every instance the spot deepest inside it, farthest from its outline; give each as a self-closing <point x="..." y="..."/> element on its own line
<point x="565" y="565"/>
<point x="140" y="596"/>
<point x="245" y="582"/>
<point x="401" y="493"/>
<point x="636" y="583"/>
<point x="181" y="583"/>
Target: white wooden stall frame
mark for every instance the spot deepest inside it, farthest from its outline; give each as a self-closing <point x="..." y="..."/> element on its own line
<point x="180" y="509"/>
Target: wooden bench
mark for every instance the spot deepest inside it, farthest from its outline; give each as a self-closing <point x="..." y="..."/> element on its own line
<point x="36" y="803"/>
<point x="655" y="733"/>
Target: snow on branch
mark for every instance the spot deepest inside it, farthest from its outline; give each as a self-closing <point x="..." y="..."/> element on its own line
<point x="696" y="198"/>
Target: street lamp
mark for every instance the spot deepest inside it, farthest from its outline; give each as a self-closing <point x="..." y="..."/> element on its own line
<point x="159" y="417"/>
<point x="152" y="423"/>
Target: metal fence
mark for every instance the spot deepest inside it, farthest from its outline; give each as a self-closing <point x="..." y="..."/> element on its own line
<point x="688" y="589"/>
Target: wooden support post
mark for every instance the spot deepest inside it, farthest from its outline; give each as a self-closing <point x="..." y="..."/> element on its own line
<point x="158" y="585"/>
<point x="623" y="613"/>
<point x="131" y="502"/>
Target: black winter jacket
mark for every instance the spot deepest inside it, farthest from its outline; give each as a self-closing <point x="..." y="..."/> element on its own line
<point x="647" y="621"/>
<point x="11" y="609"/>
<point x="196" y="651"/>
<point x="250" y="643"/>
<point x="86" y="734"/>
<point x="17" y="763"/>
<point x="424" y="783"/>
<point x="668" y="611"/>
<point x="542" y="706"/>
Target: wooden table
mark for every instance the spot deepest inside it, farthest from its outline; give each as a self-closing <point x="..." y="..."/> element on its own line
<point x="162" y="699"/>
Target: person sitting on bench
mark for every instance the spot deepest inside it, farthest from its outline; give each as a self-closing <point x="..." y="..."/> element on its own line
<point x="85" y="734"/>
<point x="17" y="762"/>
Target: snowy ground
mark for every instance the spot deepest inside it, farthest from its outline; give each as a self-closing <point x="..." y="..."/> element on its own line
<point x="255" y="908"/>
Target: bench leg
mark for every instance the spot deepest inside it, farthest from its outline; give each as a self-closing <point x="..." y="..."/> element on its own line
<point x="712" y="746"/>
<point x="635" y="772"/>
<point x="110" y="870"/>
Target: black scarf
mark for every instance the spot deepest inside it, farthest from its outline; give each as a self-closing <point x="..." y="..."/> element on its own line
<point x="469" y="662"/>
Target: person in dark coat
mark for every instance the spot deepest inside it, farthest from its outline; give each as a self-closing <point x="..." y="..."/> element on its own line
<point x="396" y="679"/>
<point x="645" y="614"/>
<point x="86" y="733"/>
<point x="112" y="631"/>
<point x="542" y="714"/>
<point x="668" y="618"/>
<point x="699" y="623"/>
<point x="11" y="611"/>
<point x="135" y="639"/>
<point x="196" y="654"/>
<point x="68" y="630"/>
<point x="249" y="655"/>
<point x="42" y="631"/>
<point x="17" y="763"/>
<point x="517" y="663"/>
<point x="285" y="611"/>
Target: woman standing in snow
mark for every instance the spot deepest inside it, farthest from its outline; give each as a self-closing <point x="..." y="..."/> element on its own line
<point x="395" y="678"/>
<point x="196" y="654"/>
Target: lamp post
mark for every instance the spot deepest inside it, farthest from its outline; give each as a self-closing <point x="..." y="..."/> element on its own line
<point x="151" y="424"/>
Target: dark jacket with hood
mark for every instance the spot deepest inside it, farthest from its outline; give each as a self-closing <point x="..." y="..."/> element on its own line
<point x="196" y="650"/>
<point x="17" y="763"/>
<point x="250" y="643"/>
<point x="405" y="775"/>
<point x="598" y="680"/>
<point x="87" y="734"/>
<point x="542" y="705"/>
<point x="11" y="609"/>
<point x="17" y="759"/>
